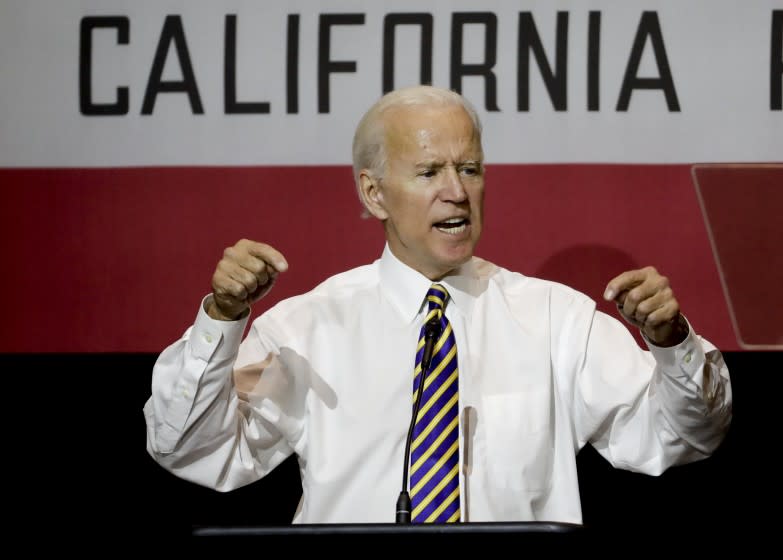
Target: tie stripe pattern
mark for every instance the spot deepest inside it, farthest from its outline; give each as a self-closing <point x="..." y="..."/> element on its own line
<point x="434" y="476"/>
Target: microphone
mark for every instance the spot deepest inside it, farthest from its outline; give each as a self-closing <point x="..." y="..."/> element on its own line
<point x="431" y="334"/>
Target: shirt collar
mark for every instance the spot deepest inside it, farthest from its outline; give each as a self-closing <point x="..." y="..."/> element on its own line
<point x="406" y="288"/>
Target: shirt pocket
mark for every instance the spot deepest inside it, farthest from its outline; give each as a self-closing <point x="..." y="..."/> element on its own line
<point x="519" y="439"/>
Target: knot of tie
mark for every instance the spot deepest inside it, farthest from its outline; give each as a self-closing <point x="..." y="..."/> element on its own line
<point x="437" y="296"/>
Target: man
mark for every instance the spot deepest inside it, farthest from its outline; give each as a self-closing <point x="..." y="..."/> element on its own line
<point x="523" y="372"/>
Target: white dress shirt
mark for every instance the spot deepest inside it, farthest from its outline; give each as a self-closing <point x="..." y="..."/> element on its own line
<point x="328" y="375"/>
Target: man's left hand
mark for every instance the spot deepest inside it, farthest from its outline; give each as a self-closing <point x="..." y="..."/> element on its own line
<point x="645" y="299"/>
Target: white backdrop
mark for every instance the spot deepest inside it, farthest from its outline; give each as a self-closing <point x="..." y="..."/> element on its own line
<point x="718" y="54"/>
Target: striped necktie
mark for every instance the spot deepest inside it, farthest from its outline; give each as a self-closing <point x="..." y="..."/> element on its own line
<point x="434" y="478"/>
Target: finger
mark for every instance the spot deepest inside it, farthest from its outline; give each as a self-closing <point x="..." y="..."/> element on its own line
<point x="639" y="301"/>
<point x="646" y="297"/>
<point x="250" y="272"/>
<point x="655" y="299"/>
<point x="628" y="307"/>
<point x="620" y="299"/>
<point x="227" y="289"/>
<point x="248" y="279"/>
<point x="267" y="253"/>
<point x="238" y="262"/>
<point x="624" y="282"/>
<point x="241" y="266"/>
<point x="664" y="314"/>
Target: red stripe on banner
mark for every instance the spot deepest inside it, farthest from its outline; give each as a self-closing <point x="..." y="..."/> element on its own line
<point x="117" y="260"/>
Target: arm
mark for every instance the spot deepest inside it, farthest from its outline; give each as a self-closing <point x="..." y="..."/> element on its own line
<point x="198" y="427"/>
<point x="647" y="411"/>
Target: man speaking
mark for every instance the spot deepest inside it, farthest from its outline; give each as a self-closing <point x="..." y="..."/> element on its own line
<point x="430" y="381"/>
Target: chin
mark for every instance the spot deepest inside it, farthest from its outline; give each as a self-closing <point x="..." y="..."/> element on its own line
<point x="454" y="259"/>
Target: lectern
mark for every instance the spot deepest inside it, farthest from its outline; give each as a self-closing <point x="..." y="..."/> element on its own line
<point x="455" y="533"/>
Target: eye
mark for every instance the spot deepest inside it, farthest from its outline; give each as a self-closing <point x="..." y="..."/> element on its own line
<point x="427" y="173"/>
<point x="470" y="170"/>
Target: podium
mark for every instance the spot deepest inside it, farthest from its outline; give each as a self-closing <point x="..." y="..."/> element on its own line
<point x="454" y="533"/>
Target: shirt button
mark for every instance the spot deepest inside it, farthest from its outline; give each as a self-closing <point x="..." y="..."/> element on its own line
<point x="687" y="358"/>
<point x="208" y="338"/>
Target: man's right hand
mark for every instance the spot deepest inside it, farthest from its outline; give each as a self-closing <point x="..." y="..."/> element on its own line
<point x="244" y="275"/>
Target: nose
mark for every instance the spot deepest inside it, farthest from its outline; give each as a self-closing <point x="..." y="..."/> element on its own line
<point x="453" y="190"/>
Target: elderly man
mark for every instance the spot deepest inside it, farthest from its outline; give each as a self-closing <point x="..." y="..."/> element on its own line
<point x="482" y="382"/>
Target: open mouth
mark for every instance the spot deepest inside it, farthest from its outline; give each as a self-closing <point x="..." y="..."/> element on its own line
<point x="453" y="226"/>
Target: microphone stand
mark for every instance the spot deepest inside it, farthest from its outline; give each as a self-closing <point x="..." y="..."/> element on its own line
<point x="431" y="334"/>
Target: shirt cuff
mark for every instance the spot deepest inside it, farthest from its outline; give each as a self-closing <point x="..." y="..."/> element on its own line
<point x="214" y="340"/>
<point x="687" y="358"/>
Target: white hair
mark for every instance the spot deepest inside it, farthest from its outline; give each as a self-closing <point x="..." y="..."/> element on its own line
<point x="369" y="140"/>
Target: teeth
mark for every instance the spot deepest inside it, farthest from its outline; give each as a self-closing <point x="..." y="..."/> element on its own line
<point x="453" y="226"/>
<point x="453" y="230"/>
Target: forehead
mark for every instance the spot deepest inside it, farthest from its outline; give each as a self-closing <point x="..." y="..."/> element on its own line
<point x="441" y="132"/>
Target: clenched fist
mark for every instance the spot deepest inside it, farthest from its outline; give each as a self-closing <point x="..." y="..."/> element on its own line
<point x="645" y="299"/>
<point x="244" y="275"/>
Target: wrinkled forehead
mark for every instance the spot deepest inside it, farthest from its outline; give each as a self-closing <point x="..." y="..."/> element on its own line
<point x="419" y="129"/>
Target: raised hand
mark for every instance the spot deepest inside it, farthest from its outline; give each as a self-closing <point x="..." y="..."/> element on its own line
<point x="244" y="275"/>
<point x="645" y="299"/>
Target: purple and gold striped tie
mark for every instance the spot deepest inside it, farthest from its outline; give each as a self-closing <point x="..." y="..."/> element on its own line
<point x="434" y="478"/>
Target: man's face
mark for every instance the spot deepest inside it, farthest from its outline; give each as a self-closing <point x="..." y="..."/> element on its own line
<point x="431" y="196"/>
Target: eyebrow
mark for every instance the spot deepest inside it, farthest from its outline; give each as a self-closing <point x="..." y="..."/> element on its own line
<point x="440" y="163"/>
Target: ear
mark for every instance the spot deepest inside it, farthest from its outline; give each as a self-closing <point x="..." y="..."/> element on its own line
<point x="371" y="194"/>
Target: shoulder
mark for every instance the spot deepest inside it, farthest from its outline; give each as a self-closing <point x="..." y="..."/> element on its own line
<point x="524" y="293"/>
<point x="333" y="293"/>
<point x="347" y="283"/>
